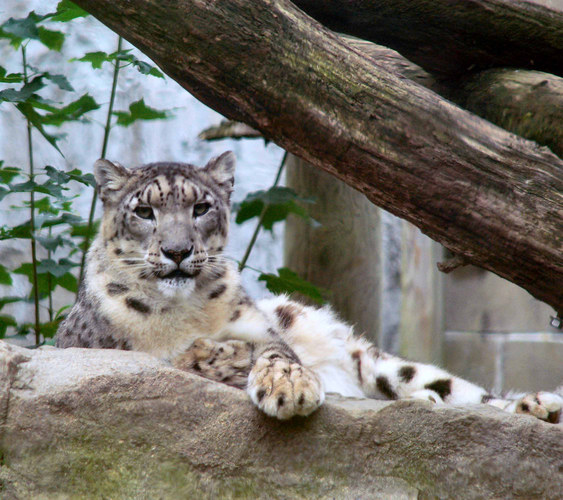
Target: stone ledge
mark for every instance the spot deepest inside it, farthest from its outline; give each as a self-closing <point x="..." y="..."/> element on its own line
<point x="98" y="423"/>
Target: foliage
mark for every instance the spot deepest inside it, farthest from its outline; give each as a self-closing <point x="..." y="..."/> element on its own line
<point x="269" y="207"/>
<point x="96" y="59"/>
<point x="287" y="281"/>
<point x="53" y="225"/>
<point x="277" y="203"/>
<point x="139" y="111"/>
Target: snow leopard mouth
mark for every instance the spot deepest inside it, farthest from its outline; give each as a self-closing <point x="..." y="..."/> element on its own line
<point x="179" y="275"/>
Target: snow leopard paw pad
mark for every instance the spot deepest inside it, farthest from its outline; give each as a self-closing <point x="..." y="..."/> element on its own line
<point x="228" y="362"/>
<point x="543" y="405"/>
<point x="282" y="388"/>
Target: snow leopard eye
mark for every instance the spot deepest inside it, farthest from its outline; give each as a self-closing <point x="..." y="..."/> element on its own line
<point x="144" y="212"/>
<point x="201" y="209"/>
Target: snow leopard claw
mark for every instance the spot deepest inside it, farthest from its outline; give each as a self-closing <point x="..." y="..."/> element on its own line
<point x="283" y="389"/>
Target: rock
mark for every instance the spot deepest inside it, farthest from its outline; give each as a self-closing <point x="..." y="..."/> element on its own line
<point x="116" y="424"/>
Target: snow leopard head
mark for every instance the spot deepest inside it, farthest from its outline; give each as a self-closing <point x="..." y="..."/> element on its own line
<point x="164" y="221"/>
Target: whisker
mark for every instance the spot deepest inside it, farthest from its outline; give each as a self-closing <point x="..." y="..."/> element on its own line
<point x="136" y="266"/>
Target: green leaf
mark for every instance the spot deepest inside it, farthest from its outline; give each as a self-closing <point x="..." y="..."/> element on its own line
<point x="81" y="230"/>
<point x="145" y="68"/>
<point x="61" y="177"/>
<point x="23" y="330"/>
<point x="60" y="80"/>
<point x="279" y="203"/>
<point x="45" y="206"/>
<point x="66" y="218"/>
<point x="57" y="269"/>
<point x="20" y="231"/>
<point x="7" y="174"/>
<point x="36" y="120"/>
<point x="96" y="59"/>
<point x="286" y="281"/>
<point x="49" y="275"/>
<point x="18" y="30"/>
<point x="49" y="328"/>
<point x="59" y="314"/>
<point x="78" y="176"/>
<point x="23" y="231"/>
<point x="5" y="322"/>
<point x="140" y="111"/>
<point x="10" y="300"/>
<point x="67" y="11"/>
<point x="10" y="78"/>
<point x="45" y="282"/>
<point x="22" y="28"/>
<point x="71" y="112"/>
<point x="53" y="242"/>
<point x="69" y="282"/>
<point x="51" y="39"/>
<point x="24" y="187"/>
<point x="45" y="188"/>
<point x="5" y="278"/>
<point x="27" y="91"/>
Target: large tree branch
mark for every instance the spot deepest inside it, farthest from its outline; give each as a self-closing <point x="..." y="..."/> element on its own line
<point x="528" y="103"/>
<point x="450" y="38"/>
<point x="485" y="194"/>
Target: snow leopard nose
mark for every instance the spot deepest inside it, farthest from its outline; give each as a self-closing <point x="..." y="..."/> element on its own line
<point x="177" y="255"/>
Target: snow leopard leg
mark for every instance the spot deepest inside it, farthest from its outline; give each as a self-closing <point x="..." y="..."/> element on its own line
<point x="384" y="375"/>
<point x="228" y="362"/>
<point x="271" y="373"/>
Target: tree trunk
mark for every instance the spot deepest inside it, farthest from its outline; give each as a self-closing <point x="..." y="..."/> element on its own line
<point x="451" y="38"/>
<point x="340" y="253"/>
<point x="485" y="194"/>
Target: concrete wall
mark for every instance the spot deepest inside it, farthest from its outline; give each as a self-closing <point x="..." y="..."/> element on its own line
<point x="499" y="335"/>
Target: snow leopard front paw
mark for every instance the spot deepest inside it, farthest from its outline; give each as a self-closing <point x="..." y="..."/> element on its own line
<point x="282" y="388"/>
<point x="543" y="405"/>
<point x="228" y="362"/>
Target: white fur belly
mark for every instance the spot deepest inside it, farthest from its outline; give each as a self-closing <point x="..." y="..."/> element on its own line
<point x="338" y="380"/>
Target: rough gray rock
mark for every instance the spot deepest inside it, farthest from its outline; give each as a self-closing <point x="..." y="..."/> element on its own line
<point x="90" y="424"/>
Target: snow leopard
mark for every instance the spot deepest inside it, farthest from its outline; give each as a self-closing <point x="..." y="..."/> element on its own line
<point x="157" y="281"/>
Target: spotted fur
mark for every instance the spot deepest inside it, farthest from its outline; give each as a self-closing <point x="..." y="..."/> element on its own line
<point x="156" y="281"/>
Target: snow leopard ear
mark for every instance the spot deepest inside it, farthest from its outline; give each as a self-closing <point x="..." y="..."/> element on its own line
<point x="110" y="177"/>
<point x="222" y="170"/>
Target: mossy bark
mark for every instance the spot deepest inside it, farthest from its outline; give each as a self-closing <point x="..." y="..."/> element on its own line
<point x="485" y="194"/>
